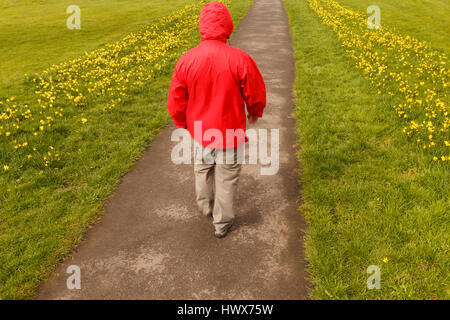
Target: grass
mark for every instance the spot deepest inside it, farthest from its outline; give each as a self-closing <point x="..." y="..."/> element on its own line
<point x="427" y="20"/>
<point x="34" y="35"/>
<point x="371" y="197"/>
<point x="44" y="212"/>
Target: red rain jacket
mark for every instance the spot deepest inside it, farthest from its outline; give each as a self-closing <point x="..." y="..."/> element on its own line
<point x="212" y="81"/>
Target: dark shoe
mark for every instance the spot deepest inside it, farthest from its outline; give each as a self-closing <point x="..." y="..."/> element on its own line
<point x="209" y="214"/>
<point x="223" y="234"/>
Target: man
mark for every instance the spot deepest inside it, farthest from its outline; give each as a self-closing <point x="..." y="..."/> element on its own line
<point x="210" y="87"/>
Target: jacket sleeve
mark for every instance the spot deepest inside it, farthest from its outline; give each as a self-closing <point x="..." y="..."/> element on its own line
<point x="178" y="97"/>
<point x="253" y="89"/>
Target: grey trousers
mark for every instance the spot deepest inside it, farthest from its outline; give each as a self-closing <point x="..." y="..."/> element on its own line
<point x="216" y="180"/>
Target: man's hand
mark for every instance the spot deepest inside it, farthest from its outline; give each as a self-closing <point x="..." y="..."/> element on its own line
<point x="252" y="119"/>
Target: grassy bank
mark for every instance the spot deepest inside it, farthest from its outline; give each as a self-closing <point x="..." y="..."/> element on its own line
<point x="425" y="20"/>
<point x="372" y="196"/>
<point x="34" y="35"/>
<point x="66" y="138"/>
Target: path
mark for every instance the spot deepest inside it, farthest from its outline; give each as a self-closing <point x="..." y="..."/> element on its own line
<point x="152" y="243"/>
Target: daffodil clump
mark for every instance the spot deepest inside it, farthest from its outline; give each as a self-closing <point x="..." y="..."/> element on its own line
<point x="106" y="76"/>
<point x="409" y="70"/>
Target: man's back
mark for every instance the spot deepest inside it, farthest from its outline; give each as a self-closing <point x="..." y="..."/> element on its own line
<point x="212" y="81"/>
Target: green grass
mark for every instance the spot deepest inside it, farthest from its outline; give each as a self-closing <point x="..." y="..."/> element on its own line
<point x="369" y="193"/>
<point x="427" y="20"/>
<point x="44" y="212"/>
<point x="34" y="35"/>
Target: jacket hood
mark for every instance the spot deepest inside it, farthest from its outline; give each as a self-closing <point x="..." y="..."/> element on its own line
<point x="215" y="22"/>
